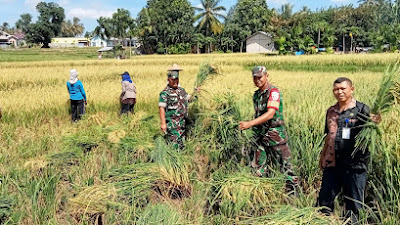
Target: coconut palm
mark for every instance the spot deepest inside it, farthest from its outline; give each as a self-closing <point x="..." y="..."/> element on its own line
<point x="208" y="17"/>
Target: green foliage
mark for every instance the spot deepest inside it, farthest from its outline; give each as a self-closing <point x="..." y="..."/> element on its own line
<point x="246" y="18"/>
<point x="48" y="25"/>
<point x="179" y="48"/>
<point x="167" y="22"/>
<point x="6" y="204"/>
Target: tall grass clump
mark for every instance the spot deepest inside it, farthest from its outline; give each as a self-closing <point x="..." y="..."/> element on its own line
<point x="370" y="135"/>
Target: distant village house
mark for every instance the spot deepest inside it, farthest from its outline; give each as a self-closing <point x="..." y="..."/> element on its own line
<point x="7" y="40"/>
<point x="260" y="42"/>
<point x="63" y="42"/>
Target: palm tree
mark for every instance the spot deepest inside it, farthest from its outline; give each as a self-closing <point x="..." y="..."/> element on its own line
<point x="104" y="28"/>
<point x="209" y="15"/>
<point x="286" y="11"/>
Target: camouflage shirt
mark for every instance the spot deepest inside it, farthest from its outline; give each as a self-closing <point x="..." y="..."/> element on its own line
<point x="175" y="102"/>
<point x="273" y="131"/>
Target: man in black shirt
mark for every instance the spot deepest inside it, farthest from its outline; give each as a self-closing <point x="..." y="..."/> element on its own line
<point x="344" y="166"/>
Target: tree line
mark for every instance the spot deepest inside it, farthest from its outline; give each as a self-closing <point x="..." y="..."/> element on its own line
<point x="177" y="27"/>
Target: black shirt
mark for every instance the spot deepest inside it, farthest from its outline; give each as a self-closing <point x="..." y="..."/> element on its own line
<point x="345" y="154"/>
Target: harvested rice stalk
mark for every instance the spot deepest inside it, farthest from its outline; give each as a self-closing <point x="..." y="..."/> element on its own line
<point x="242" y="194"/>
<point x="135" y="182"/>
<point x="174" y="170"/>
<point x="160" y="214"/>
<point x="205" y="72"/>
<point x="93" y="200"/>
<point x="288" y="215"/>
<point x="370" y="135"/>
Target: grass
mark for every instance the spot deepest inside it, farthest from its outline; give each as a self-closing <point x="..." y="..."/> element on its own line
<point x="117" y="170"/>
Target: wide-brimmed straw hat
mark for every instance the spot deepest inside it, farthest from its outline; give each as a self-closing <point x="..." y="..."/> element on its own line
<point x="175" y="67"/>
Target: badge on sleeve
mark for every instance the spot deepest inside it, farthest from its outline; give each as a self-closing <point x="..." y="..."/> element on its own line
<point x="275" y="96"/>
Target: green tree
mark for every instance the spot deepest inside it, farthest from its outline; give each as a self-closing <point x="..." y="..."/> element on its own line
<point x="246" y="18"/>
<point x="104" y="27"/>
<point x="23" y="23"/>
<point x="48" y="25"/>
<point x="171" y="23"/>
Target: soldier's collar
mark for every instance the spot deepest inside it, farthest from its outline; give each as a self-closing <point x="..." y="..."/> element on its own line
<point x="266" y="89"/>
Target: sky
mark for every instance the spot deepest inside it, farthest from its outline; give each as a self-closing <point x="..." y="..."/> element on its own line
<point x="90" y="10"/>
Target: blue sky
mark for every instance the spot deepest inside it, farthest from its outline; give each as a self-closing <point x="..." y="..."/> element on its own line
<point x="89" y="10"/>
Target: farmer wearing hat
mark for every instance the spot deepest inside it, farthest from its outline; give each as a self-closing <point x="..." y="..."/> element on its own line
<point x="128" y="94"/>
<point x="77" y="95"/>
<point x="173" y="107"/>
<point x="269" y="127"/>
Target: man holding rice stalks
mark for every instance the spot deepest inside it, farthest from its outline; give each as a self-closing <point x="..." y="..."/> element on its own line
<point x="173" y="108"/>
<point x="269" y="128"/>
<point x="344" y="167"/>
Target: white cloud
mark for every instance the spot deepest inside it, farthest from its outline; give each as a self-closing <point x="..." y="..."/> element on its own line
<point x="32" y="3"/>
<point x="63" y="3"/>
<point x="89" y="13"/>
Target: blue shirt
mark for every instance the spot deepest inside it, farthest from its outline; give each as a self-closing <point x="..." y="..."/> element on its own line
<point x="76" y="91"/>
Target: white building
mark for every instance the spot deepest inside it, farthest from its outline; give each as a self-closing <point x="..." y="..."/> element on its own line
<point x="7" y="40"/>
<point x="260" y="42"/>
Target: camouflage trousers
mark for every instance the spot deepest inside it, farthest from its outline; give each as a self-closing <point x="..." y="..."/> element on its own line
<point x="267" y="159"/>
<point x="175" y="137"/>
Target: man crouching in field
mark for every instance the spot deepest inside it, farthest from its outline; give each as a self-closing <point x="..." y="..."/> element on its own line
<point x="173" y="109"/>
<point x="269" y="127"/>
<point x="344" y="167"/>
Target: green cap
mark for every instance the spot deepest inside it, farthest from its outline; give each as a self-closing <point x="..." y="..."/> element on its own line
<point x="174" y="74"/>
<point x="259" y="71"/>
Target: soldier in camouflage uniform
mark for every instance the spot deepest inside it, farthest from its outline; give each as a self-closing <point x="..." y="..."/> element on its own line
<point x="173" y="106"/>
<point x="269" y="128"/>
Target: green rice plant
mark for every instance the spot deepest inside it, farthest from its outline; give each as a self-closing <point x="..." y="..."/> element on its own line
<point x="384" y="187"/>
<point x="174" y="170"/>
<point x="6" y="205"/>
<point x="43" y="199"/>
<point x="305" y="147"/>
<point x="160" y="214"/>
<point x="370" y="135"/>
<point x="242" y="194"/>
<point x="289" y="215"/>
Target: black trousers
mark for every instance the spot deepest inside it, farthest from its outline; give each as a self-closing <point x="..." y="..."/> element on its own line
<point x="128" y="105"/>
<point x="77" y="109"/>
<point x="351" y="181"/>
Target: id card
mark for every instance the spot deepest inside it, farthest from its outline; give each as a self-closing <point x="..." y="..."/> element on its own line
<point x="346" y="133"/>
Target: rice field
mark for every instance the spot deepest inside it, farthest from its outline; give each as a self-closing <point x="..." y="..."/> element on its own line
<point x="108" y="169"/>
